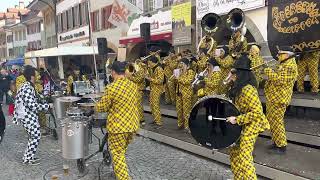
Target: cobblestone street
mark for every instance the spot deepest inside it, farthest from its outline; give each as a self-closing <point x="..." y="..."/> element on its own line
<point x="147" y="160"/>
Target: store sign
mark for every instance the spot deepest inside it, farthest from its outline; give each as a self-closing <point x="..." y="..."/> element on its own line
<point x="160" y="22"/>
<point x="71" y="36"/>
<point x="224" y="6"/>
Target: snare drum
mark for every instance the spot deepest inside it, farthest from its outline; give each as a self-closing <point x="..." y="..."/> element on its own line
<point x="208" y="125"/>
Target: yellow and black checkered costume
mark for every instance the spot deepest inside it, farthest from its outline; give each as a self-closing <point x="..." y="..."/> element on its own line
<point x="212" y="83"/>
<point x="309" y="62"/>
<point x="278" y="91"/>
<point x="255" y="61"/>
<point x="207" y="45"/>
<point x="184" y="98"/>
<point x="236" y="46"/>
<point x="253" y="122"/>
<point x="225" y="64"/>
<point x="73" y="78"/>
<point x="120" y="102"/>
<point x="156" y="89"/>
<point x="202" y="63"/>
<point x="169" y="66"/>
<point x="139" y="79"/>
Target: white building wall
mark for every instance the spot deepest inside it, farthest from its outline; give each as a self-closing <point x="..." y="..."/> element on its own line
<point x="260" y="18"/>
<point x="112" y="35"/>
<point x="77" y="36"/>
<point x="67" y="4"/>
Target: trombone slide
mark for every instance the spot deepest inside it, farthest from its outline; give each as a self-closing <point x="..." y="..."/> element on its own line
<point x="260" y="65"/>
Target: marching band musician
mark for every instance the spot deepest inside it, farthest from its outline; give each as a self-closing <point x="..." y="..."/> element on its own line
<point x="212" y="82"/>
<point x="155" y="51"/>
<point x="278" y="91"/>
<point x="120" y="102"/>
<point x="184" y="94"/>
<point x="237" y="44"/>
<point x="206" y="44"/>
<point x="226" y="62"/>
<point x="253" y="121"/>
<point x="203" y="60"/>
<point x="169" y="65"/>
<point x="138" y="78"/>
<point x="156" y="77"/>
<point x="310" y="62"/>
<point x="256" y="59"/>
<point x="75" y="76"/>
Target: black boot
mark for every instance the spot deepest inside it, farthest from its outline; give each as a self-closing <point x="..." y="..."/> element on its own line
<point x="273" y="149"/>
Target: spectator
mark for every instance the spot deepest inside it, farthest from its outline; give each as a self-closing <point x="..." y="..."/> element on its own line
<point x="5" y="81"/>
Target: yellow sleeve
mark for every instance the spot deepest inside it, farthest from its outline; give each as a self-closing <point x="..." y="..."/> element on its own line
<point x="284" y="76"/>
<point x="69" y="84"/>
<point x="158" y="77"/>
<point x="214" y="81"/>
<point x="249" y="97"/>
<point x="137" y="77"/>
<point x="226" y="62"/>
<point x="187" y="78"/>
<point x="105" y="103"/>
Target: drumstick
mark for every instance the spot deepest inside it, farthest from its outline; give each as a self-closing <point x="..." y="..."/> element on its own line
<point x="220" y="119"/>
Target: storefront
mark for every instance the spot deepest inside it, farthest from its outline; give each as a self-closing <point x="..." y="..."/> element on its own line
<point x="161" y="35"/>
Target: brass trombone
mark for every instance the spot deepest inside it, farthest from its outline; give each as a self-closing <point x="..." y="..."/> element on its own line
<point x="151" y="54"/>
<point x="265" y="63"/>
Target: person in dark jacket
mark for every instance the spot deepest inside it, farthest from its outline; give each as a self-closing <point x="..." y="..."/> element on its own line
<point x="2" y="124"/>
<point x="5" y="81"/>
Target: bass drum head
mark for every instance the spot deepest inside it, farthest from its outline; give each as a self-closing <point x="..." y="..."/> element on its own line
<point x="209" y="132"/>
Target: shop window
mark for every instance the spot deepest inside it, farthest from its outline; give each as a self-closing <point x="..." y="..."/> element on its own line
<point x="105" y="14"/>
<point x="16" y="35"/>
<point x="133" y="2"/>
<point x="59" y="23"/>
<point x="95" y="21"/>
<point x="24" y="34"/>
<point x="64" y="21"/>
<point x="84" y="13"/>
<point x="70" y="19"/>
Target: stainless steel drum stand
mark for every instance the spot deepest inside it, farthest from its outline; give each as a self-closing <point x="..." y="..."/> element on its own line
<point x="103" y="148"/>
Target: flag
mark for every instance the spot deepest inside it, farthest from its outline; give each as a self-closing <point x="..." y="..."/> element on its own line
<point x="122" y="13"/>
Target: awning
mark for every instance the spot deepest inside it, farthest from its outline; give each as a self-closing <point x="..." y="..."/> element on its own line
<point x="156" y="37"/>
<point x="63" y="51"/>
<point x="17" y="61"/>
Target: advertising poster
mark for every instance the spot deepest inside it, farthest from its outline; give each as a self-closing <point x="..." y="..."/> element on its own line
<point x="181" y="24"/>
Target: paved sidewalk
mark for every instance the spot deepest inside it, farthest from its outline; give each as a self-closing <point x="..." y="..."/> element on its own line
<point x="147" y="160"/>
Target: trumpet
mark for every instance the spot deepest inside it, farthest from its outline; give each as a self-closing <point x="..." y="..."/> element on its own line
<point x="151" y="54"/>
<point x="200" y="75"/>
<point x="265" y="63"/>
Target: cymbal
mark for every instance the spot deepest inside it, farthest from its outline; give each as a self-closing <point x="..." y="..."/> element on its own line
<point x="69" y="99"/>
<point x="94" y="96"/>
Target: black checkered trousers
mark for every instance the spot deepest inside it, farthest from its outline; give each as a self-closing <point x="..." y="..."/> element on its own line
<point x="26" y="109"/>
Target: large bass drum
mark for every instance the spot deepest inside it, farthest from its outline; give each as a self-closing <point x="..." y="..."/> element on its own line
<point x="208" y="125"/>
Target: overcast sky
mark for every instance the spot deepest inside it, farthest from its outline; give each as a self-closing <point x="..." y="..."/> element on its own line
<point x="4" y="4"/>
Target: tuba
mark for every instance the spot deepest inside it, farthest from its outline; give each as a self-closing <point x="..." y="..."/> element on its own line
<point x="209" y="25"/>
<point x="236" y="22"/>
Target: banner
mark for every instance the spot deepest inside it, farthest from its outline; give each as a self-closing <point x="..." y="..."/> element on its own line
<point x="181" y="24"/>
<point x="294" y="23"/>
<point x="224" y="6"/>
<point x="159" y="22"/>
<point x="123" y="13"/>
